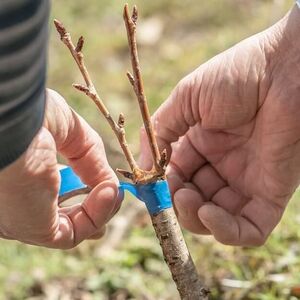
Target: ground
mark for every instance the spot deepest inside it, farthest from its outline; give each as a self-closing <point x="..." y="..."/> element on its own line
<point x="175" y="37"/>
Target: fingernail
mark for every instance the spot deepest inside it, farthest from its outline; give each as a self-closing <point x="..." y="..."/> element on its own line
<point x="121" y="195"/>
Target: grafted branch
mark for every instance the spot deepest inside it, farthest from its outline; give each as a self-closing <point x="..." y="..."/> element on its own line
<point x="136" y="81"/>
<point x="136" y="175"/>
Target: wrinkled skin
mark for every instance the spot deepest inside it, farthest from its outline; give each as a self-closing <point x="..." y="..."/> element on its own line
<point x="29" y="187"/>
<point x="234" y="126"/>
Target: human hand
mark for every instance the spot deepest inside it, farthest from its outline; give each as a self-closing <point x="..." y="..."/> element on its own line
<point x="234" y="125"/>
<point x="29" y="187"/>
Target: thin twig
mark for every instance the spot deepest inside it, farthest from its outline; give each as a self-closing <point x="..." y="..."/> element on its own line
<point x="136" y="175"/>
<point x="136" y="81"/>
<point x="91" y="92"/>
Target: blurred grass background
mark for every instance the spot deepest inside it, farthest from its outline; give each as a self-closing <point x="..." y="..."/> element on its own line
<point x="175" y="37"/>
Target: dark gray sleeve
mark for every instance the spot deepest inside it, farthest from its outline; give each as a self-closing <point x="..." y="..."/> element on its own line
<point x="23" y="48"/>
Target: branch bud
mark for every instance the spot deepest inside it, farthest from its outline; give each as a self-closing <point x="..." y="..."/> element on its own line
<point x="163" y="159"/>
<point x="80" y="44"/>
<point x="131" y="78"/>
<point x="121" y="121"/>
<point x="81" y="88"/>
<point x="60" y="28"/>
<point x="126" y="174"/>
<point x="135" y="15"/>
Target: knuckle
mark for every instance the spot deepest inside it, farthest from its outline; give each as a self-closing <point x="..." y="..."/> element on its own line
<point x="68" y="246"/>
<point x="184" y="83"/>
<point x="99" y="234"/>
<point x="191" y="226"/>
<point x="228" y="241"/>
<point x="7" y="232"/>
<point x="54" y="96"/>
<point x="46" y="238"/>
<point x="259" y="241"/>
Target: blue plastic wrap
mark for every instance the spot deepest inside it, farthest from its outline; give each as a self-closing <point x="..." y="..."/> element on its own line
<point x="69" y="182"/>
<point x="156" y="195"/>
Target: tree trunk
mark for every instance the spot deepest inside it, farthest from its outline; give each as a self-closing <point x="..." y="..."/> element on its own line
<point x="177" y="256"/>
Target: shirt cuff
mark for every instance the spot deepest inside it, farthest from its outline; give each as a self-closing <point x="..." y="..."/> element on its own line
<point x="23" y="52"/>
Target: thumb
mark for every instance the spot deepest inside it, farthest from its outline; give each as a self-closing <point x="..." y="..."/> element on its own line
<point x="174" y="117"/>
<point x="82" y="221"/>
<point x="77" y="142"/>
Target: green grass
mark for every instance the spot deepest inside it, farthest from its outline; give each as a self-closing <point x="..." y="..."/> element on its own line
<point x="192" y="32"/>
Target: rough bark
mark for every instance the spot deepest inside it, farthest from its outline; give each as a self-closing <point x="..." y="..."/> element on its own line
<point x="177" y="256"/>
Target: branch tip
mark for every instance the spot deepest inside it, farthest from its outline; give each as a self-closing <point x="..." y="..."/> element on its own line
<point x="136" y="81"/>
<point x="126" y="12"/>
<point x="60" y="28"/>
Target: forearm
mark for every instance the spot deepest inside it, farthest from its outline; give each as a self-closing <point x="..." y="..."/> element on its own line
<point x="23" y="44"/>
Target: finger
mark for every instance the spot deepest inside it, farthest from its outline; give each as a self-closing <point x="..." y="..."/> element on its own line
<point x="69" y="204"/>
<point x="250" y="228"/>
<point x="175" y="116"/>
<point x="117" y="205"/>
<point x="208" y="181"/>
<point x="175" y="182"/>
<point x="191" y="186"/>
<point x="230" y="200"/>
<point x="187" y="203"/>
<point x="85" y="220"/>
<point x="5" y="236"/>
<point x="78" y="142"/>
<point x="186" y="159"/>
<point x="99" y="234"/>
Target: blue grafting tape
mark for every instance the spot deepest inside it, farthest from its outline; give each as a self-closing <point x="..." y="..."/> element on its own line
<point x="156" y="195"/>
<point x="69" y="181"/>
